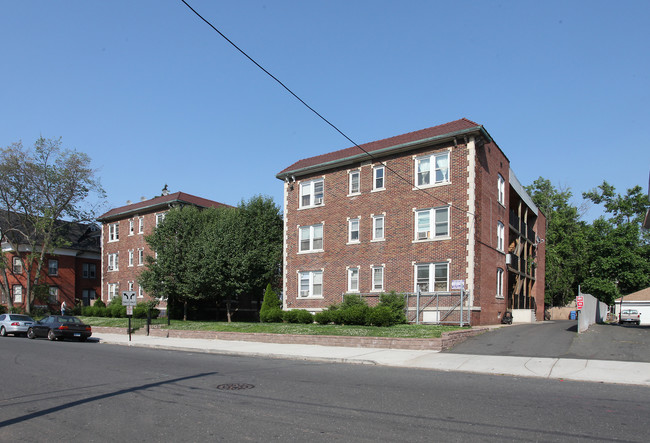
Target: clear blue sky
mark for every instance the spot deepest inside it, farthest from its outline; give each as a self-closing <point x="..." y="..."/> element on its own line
<point x="156" y="97"/>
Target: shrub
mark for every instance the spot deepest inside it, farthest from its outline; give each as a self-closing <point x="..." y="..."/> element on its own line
<point x="99" y="304"/>
<point x="88" y="311"/>
<point x="298" y="316"/>
<point x="273" y="315"/>
<point x="270" y="304"/>
<point x="3" y="309"/>
<point x="115" y="308"/>
<point x="354" y="315"/>
<point x="323" y="317"/>
<point x="396" y="303"/>
<point x="381" y="316"/>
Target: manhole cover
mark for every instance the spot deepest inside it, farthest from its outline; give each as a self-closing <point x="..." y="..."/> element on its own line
<point x="235" y="386"/>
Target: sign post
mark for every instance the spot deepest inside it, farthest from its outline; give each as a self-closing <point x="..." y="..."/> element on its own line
<point x="129" y="300"/>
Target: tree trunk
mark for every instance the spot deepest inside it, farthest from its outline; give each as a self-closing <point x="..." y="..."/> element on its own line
<point x="228" y="311"/>
<point x="185" y="310"/>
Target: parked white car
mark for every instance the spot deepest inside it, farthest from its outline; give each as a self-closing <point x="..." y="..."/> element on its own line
<point x="630" y="316"/>
<point x="16" y="324"/>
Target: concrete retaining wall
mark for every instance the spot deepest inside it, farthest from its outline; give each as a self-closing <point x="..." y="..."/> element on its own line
<point x="447" y="341"/>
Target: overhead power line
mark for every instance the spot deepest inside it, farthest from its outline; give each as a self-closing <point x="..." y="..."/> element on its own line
<point x="206" y="21"/>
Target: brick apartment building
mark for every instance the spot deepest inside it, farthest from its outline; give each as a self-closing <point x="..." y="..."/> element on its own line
<point x="69" y="272"/>
<point x="123" y="240"/>
<point x="412" y="214"/>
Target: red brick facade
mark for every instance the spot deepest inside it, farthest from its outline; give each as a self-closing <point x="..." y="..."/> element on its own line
<point x="466" y="201"/>
<point x="124" y="248"/>
<point x="67" y="272"/>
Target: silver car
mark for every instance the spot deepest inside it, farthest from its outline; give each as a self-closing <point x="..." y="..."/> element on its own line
<point x="16" y="324"/>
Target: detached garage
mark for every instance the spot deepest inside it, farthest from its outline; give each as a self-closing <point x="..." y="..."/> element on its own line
<point x="639" y="300"/>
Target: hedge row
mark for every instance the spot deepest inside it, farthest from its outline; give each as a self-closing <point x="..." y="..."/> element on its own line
<point x="116" y="310"/>
<point x="354" y="310"/>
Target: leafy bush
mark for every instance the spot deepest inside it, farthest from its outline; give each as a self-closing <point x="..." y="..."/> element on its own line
<point x="354" y="315"/>
<point x="272" y="315"/>
<point x="99" y="304"/>
<point x="270" y="305"/>
<point x="396" y="303"/>
<point x="323" y="317"/>
<point x="17" y="310"/>
<point x="115" y="308"/>
<point x="381" y="316"/>
<point x="3" y="309"/>
<point x="142" y="309"/>
<point x="298" y="316"/>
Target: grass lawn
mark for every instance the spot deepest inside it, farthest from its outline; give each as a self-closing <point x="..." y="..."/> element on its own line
<point x="397" y="331"/>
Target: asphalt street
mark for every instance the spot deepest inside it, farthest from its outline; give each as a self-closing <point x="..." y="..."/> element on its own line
<point x="61" y="391"/>
<point x="559" y="339"/>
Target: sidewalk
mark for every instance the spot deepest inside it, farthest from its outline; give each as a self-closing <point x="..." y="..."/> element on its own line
<point x="601" y="371"/>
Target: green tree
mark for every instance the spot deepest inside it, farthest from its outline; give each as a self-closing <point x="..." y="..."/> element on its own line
<point x="40" y="186"/>
<point x="566" y="241"/>
<point x="171" y="273"/>
<point x="619" y="250"/>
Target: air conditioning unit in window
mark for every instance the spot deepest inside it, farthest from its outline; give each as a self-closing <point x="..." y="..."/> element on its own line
<point x="304" y="293"/>
<point x="508" y="259"/>
<point x="318" y="201"/>
<point x="423" y="235"/>
<point x="110" y="267"/>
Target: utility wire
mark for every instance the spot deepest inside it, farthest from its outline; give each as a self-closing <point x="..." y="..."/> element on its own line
<point x="312" y="109"/>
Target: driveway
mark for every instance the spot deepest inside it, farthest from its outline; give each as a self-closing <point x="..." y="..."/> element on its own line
<point x="559" y="339"/>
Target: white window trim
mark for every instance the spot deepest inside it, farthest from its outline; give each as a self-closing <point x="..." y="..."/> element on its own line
<point x="500" y="275"/>
<point x="375" y="218"/>
<point x="15" y="294"/>
<point x="114" y="232"/>
<point x="432" y="276"/>
<point x="311" y="249"/>
<point x="311" y="284"/>
<point x="432" y="182"/>
<point x="113" y="291"/>
<point x="350" y="271"/>
<point x="131" y="227"/>
<point x="50" y="262"/>
<point x="501" y="237"/>
<point x="131" y="252"/>
<point x="372" y="278"/>
<point x="358" y="240"/>
<point x="160" y="217"/>
<point x="115" y="259"/>
<point x="501" y="190"/>
<point x="432" y="225"/>
<point x="374" y="178"/>
<point x="352" y="173"/>
<point x="141" y="225"/>
<point x="312" y="198"/>
<point x="140" y="256"/>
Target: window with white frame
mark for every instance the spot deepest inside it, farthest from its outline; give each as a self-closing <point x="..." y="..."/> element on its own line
<point x="140" y="225"/>
<point x="114" y="231"/>
<point x="131" y="254"/>
<point x="353" y="279"/>
<point x="501" y="190"/>
<point x="17" y="265"/>
<point x="310" y="284"/>
<point x="312" y="193"/>
<point x="377" y="278"/>
<point x="160" y="217"/>
<point x="355" y="182"/>
<point x="53" y="294"/>
<point x="131" y="226"/>
<point x="140" y="291"/>
<point x="113" y="261"/>
<point x="378" y="173"/>
<point x="140" y="256"/>
<point x="89" y="270"/>
<point x="432" y="223"/>
<point x="353" y="230"/>
<point x="17" y="291"/>
<point x="311" y="238"/>
<point x="432" y="277"/>
<point x="130" y="284"/>
<point x="499" y="283"/>
<point x="432" y="169"/>
<point x="113" y="290"/>
<point x="53" y="267"/>
<point x="378" y="227"/>
<point x="500" y="237"/>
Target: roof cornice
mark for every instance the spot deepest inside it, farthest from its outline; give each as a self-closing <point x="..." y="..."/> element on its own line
<point x="415" y="144"/>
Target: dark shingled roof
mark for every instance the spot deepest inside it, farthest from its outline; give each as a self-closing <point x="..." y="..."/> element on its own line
<point x="448" y="129"/>
<point x="159" y="202"/>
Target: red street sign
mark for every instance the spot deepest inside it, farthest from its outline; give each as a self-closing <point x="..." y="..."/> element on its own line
<point x="579" y="301"/>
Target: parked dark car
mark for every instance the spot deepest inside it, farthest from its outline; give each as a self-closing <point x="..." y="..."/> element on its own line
<point x="16" y="324"/>
<point x="58" y="327"/>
